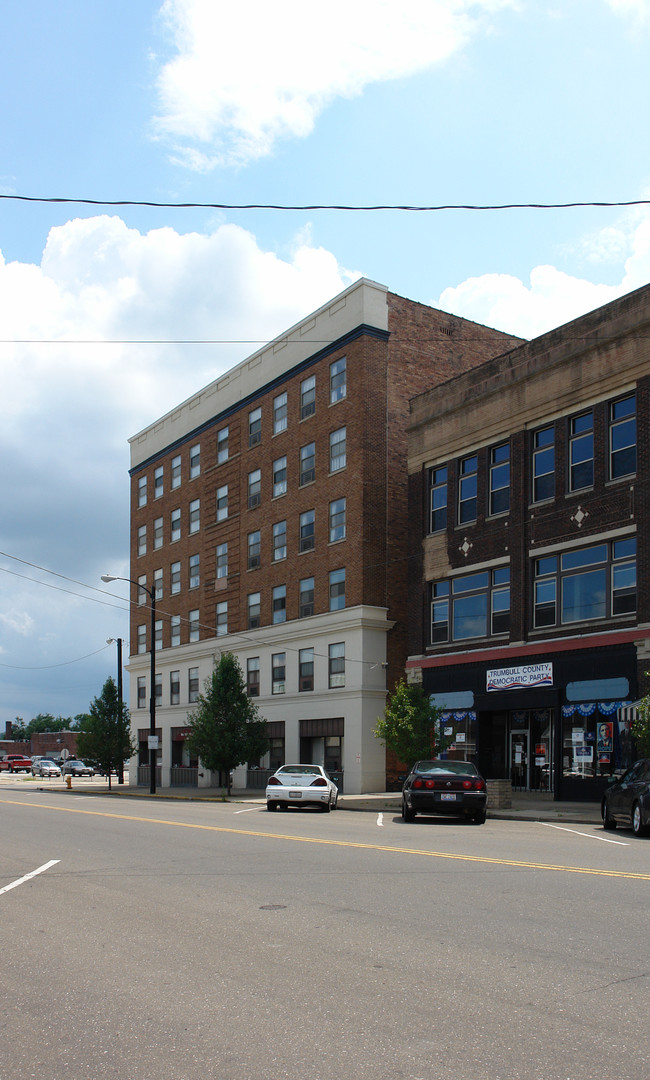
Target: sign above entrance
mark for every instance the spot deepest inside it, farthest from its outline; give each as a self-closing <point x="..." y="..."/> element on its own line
<point x="514" y="678"/>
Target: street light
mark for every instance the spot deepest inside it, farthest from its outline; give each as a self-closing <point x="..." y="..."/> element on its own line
<point x="153" y="742"/>
<point x="120" y="765"/>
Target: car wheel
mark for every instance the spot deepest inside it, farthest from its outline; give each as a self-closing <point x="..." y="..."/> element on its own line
<point x="326" y="807"/>
<point x="637" y="821"/>
<point x="480" y="818"/>
<point x="408" y="814"/>
<point x="336" y="801"/>
<point x="271" y="806"/>
<point x="608" y="822"/>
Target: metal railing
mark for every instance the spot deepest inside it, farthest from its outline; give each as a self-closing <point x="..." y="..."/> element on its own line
<point x="182" y="776"/>
<point x="144" y="774"/>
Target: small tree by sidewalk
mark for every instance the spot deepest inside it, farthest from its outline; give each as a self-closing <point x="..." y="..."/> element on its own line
<point x="106" y="737"/>
<point x="226" y="728"/>
<point x="640" y="727"/>
<point x="410" y="726"/>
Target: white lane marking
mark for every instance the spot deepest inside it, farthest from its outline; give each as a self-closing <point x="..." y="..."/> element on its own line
<point x="248" y="810"/>
<point x="380" y="820"/>
<point x="27" y="877"/>
<point x="590" y="836"/>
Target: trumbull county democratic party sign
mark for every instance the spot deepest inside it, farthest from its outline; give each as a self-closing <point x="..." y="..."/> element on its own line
<point x="514" y="678"/>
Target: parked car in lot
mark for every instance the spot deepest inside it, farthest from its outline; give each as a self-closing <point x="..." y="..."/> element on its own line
<point x="301" y="785"/>
<point x="451" y="788"/>
<point x="45" y="767"/>
<point x="626" y="800"/>
<point x="16" y="763"/>
<point x="73" y="767"/>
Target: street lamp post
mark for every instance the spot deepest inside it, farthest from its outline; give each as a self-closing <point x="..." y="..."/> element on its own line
<point x="153" y="749"/>
<point x="120" y="730"/>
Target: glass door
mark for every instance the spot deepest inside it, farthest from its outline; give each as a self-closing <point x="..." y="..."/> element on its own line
<point x="519" y="758"/>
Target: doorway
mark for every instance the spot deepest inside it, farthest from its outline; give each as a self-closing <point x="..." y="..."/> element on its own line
<point x="530" y="749"/>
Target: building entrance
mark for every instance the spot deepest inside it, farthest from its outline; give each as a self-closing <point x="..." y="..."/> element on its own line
<point x="530" y="749"/>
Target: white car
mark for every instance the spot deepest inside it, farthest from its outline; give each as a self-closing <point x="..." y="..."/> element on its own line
<point x="45" y="767"/>
<point x="301" y="785"/>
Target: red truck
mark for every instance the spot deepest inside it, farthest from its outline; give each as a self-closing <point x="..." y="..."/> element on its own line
<point x="16" y="763"/>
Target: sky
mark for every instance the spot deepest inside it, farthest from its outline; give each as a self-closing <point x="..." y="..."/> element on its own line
<point x="111" y="315"/>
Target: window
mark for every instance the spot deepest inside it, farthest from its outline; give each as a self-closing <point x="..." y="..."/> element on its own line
<point x="175" y="526"/>
<point x="500" y="479"/>
<point x="307" y="463"/>
<point x="338" y="454"/>
<point x="337" y="589"/>
<point x="195" y="571"/>
<point x="222" y="446"/>
<point x="306" y="669"/>
<point x="142" y="691"/>
<point x="176" y="471"/>
<point x="253" y="610"/>
<point x="158" y="688"/>
<point x="158" y="634"/>
<point x="174" y="687"/>
<point x="194" y="625"/>
<point x="543" y="470"/>
<point x="278" y="672"/>
<point x="438" y="499"/>
<point x="336" y="664"/>
<point x="143" y="596"/>
<point x="193" y="684"/>
<point x="471" y="606"/>
<point x="158" y="533"/>
<point x="222" y="503"/>
<point x="338" y="384"/>
<point x="308" y="397"/>
<point x="581" y="585"/>
<point x="279" y="413"/>
<point x="254" y="488"/>
<point x="142" y="540"/>
<point x="581" y="451"/>
<point x="195" y="515"/>
<point x="222" y="618"/>
<point x="195" y="461"/>
<point x="280" y="603"/>
<point x="279" y="477"/>
<point x="307" y="526"/>
<point x="175" y="629"/>
<point x="254" y="427"/>
<point x="158" y="584"/>
<point x="337" y="520"/>
<point x="142" y="638"/>
<point x="467" y="490"/>
<point x="622" y="437"/>
<point x="254" y="549"/>
<point x="279" y="541"/>
<point x="158" y="482"/>
<point x="306" y="598"/>
<point x="142" y="491"/>
<point x="175" y="578"/>
<point x="253" y="676"/>
<point x="222" y="561"/>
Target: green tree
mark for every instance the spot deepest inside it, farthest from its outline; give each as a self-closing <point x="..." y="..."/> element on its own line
<point x="226" y="728"/>
<point x="640" y="727"/>
<point x="107" y="735"/>
<point x="410" y="726"/>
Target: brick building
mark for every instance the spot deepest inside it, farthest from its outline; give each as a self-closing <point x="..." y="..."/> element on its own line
<point x="529" y="600"/>
<point x="269" y="512"/>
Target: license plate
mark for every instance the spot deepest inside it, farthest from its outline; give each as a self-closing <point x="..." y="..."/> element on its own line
<point x="448" y="796"/>
<point x="295" y="794"/>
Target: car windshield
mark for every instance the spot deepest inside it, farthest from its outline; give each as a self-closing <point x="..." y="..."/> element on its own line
<point x="455" y="768"/>
<point x="300" y="770"/>
<point x="50" y="764"/>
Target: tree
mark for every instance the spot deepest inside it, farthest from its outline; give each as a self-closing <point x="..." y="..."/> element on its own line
<point x="226" y="728"/>
<point x="410" y="726"/>
<point x="107" y="735"/>
<point x="640" y="727"/>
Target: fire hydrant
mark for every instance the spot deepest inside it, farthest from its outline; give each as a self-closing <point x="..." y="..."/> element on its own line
<point x="68" y="781"/>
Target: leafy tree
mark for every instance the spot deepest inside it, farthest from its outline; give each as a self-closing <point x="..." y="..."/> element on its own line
<point x="107" y="735"/>
<point x="640" y="727"/>
<point x="226" y="728"/>
<point x="410" y="726"/>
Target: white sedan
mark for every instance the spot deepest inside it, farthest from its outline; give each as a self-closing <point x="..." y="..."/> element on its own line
<point x="301" y="785"/>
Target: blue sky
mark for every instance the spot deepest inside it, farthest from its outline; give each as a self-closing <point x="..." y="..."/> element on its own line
<point x="451" y="102"/>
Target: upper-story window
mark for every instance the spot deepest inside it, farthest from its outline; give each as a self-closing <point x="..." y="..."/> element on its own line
<point x="254" y="427"/>
<point x="221" y="618"/>
<point x="278" y="672"/>
<point x="175" y="531"/>
<point x="222" y="446"/>
<point x="305" y="670"/>
<point x="158" y="533"/>
<point x="142" y="590"/>
<point x="337" y="589"/>
<point x="142" y="638"/>
<point x="254" y="549"/>
<point x="142" y="540"/>
<point x="472" y="606"/>
<point x="589" y="583"/>
<point x="254" y="610"/>
<point x="176" y="471"/>
<point x="581" y="451"/>
<point x="279" y="477"/>
<point x="195" y="515"/>
<point x="195" y="461"/>
<point x="158" y="482"/>
<point x="338" y="380"/>
<point x="222" y="503"/>
<point x="306" y="598"/>
<point x="279" y="413"/>
<point x="622" y="437"/>
<point x="307" y="463"/>
<point x="336" y="664"/>
<point x="467" y="489"/>
<point x="222" y="560"/>
<point x="307" y="529"/>
<point x="254" y="488"/>
<point x="307" y="397"/>
<point x="158" y="583"/>
<point x="194" y="625"/>
<point x="279" y="603"/>
<point x="195" y="571"/>
<point x="500" y="479"/>
<point x="438" y="499"/>
<point x="337" y="520"/>
<point x="543" y="464"/>
<point x="175" y="630"/>
<point x="253" y="676"/>
<point x="279" y="541"/>
<point x="338" y="449"/>
<point x="142" y="491"/>
<point x="175" y="577"/>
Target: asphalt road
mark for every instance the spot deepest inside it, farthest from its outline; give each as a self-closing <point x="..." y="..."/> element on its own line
<point x="178" y="941"/>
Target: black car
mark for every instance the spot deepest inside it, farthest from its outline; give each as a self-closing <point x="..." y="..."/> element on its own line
<point x="452" y="788"/>
<point x="627" y="800"/>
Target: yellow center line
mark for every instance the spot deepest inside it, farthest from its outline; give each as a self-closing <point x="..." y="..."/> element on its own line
<point x="484" y="859"/>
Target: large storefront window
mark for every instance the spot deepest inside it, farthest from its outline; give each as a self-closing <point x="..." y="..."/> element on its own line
<point x="595" y="742"/>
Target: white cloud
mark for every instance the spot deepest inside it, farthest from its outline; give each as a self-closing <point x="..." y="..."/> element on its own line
<point x="638" y="9"/>
<point x="244" y="76"/>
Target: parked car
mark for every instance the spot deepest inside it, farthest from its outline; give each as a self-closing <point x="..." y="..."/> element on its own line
<point x="45" y="767"/>
<point x="16" y="763"/>
<point x="73" y="767"/>
<point x="452" y="788"/>
<point x="301" y="785"/>
<point x="626" y="800"/>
